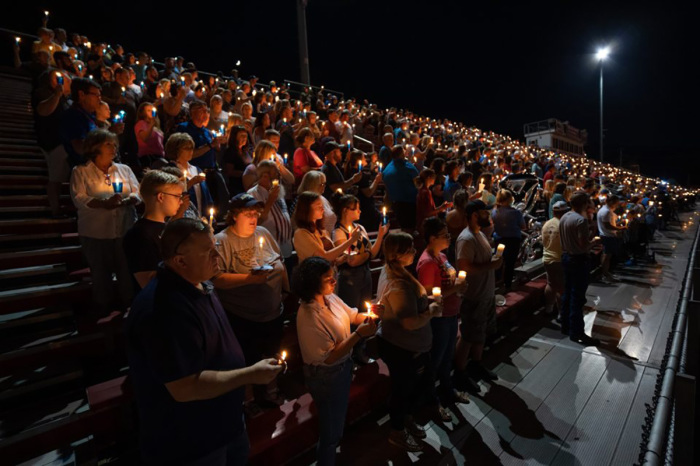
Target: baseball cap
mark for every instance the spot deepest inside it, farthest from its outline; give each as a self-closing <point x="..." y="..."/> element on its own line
<point x="242" y="200"/>
<point x="475" y="206"/>
<point x="331" y="146"/>
<point x="561" y="206"/>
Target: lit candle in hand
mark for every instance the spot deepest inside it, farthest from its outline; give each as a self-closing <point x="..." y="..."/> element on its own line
<point x="283" y="358"/>
<point x="118" y="186"/>
<point x="261" y="243"/>
<point x="500" y="249"/>
<point x="461" y="276"/>
<point x="211" y="217"/>
<point x="437" y="294"/>
<point x="384" y="215"/>
<point x="369" y="312"/>
<point x="275" y="183"/>
<point x="359" y="166"/>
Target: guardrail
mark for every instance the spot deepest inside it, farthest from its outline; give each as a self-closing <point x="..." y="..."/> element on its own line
<point x="669" y="439"/>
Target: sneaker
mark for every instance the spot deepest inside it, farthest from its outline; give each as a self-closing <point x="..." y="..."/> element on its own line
<point x="461" y="397"/>
<point x="585" y="340"/>
<point x="416" y="430"/>
<point x="478" y="372"/>
<point x="444" y="413"/>
<point x="402" y="439"/>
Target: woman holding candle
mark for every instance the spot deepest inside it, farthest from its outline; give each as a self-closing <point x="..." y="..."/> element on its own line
<point x="508" y="225"/>
<point x="435" y="271"/>
<point x="148" y="135"/>
<point x="264" y="150"/>
<point x="326" y="342"/>
<point x="405" y="339"/>
<point x="366" y="187"/>
<point x="262" y="124"/>
<point x="251" y="283"/>
<point x="310" y="236"/>
<point x="179" y="149"/>
<point x="236" y="159"/>
<point x="105" y="194"/>
<point x="315" y="181"/>
<point x="354" y="277"/>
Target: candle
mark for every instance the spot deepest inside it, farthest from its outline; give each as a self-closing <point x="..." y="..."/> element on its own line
<point x="46" y="13"/>
<point x="339" y="190"/>
<point x="118" y="186"/>
<point x="211" y="217"/>
<point x="261" y="243"/>
<point x="500" y="249"/>
<point x="461" y="276"/>
<point x="369" y="312"/>
<point x="384" y="215"/>
<point x="359" y="166"/>
<point x="380" y="166"/>
<point x="154" y="112"/>
<point x="238" y="63"/>
<point x="184" y="174"/>
<point x="437" y="294"/>
<point x="285" y="159"/>
<point x="223" y="129"/>
<point x="275" y="183"/>
<point x="17" y="40"/>
<point x="348" y="145"/>
<point x="283" y="358"/>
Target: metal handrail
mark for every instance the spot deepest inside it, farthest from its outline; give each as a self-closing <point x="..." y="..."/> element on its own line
<point x="324" y="89"/>
<point x="17" y="33"/>
<point x="366" y="141"/>
<point x="658" y="434"/>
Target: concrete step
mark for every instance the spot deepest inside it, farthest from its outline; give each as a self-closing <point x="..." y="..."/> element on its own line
<point x="32" y="226"/>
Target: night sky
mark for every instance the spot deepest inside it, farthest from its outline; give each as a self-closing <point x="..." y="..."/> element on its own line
<point x="495" y="65"/>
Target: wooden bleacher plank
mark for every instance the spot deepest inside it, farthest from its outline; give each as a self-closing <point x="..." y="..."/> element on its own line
<point x="33" y="226"/>
<point x="70" y="255"/>
<point x="19" y="300"/>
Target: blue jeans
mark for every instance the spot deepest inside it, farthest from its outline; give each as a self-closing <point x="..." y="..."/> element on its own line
<point x="442" y="355"/>
<point x="330" y="390"/>
<point x="576" y="275"/>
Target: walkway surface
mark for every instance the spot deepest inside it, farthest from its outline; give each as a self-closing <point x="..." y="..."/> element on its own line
<point x="557" y="402"/>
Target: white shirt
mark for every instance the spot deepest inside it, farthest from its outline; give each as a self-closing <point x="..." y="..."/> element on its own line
<point x="346" y="132"/>
<point x="87" y="182"/>
<point x="329" y="217"/>
<point x="321" y="328"/>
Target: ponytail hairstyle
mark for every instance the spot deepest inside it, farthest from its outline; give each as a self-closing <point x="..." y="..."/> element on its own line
<point x="424" y="176"/>
<point x="341" y="201"/>
<point x="395" y="245"/>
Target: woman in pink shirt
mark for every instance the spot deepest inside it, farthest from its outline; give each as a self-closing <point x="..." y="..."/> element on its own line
<point x="425" y="205"/>
<point x="304" y="158"/>
<point x="435" y="271"/>
<point x="148" y="135"/>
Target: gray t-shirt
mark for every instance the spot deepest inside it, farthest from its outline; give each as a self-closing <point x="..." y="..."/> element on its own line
<point x="400" y="300"/>
<point x="573" y="231"/>
<point x="606" y="216"/>
<point x="475" y="249"/>
<point x="258" y="303"/>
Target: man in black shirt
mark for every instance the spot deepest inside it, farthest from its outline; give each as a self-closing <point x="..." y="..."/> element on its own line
<point x="162" y="195"/>
<point x="334" y="176"/>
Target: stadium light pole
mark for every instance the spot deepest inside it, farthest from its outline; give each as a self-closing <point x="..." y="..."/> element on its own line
<point x="601" y="56"/>
<point x="303" y="44"/>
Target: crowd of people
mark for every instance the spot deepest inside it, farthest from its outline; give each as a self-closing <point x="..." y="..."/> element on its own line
<point x="302" y="212"/>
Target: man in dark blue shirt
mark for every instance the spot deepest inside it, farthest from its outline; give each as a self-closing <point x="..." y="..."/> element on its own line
<point x="205" y="144"/>
<point x="79" y="119"/>
<point x="185" y="363"/>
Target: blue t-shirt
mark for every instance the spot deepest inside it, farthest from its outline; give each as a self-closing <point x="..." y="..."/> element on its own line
<point x="76" y="123"/>
<point x="201" y="136"/>
<point x="398" y="178"/>
<point x="175" y="330"/>
<point x="450" y="188"/>
<point x="507" y="222"/>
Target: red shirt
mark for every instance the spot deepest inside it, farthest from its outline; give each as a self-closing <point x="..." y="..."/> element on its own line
<point x="437" y="271"/>
<point x="305" y="158"/>
<point x="424" y="205"/>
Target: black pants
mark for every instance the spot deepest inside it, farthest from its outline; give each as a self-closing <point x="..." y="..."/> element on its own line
<point x="510" y="257"/>
<point x="257" y="339"/>
<point x="411" y="381"/>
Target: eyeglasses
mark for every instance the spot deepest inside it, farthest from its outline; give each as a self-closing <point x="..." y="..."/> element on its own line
<point x="99" y="94"/>
<point x="251" y="214"/>
<point x="179" y="196"/>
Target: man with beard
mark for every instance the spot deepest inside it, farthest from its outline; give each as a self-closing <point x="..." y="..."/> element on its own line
<point x="478" y="309"/>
